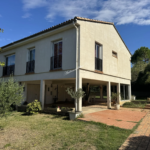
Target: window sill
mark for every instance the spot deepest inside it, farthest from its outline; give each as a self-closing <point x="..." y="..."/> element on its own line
<point x="98" y="71"/>
<point x="29" y="73"/>
<point x="55" y="70"/>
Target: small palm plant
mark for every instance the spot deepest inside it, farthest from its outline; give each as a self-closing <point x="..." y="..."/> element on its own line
<point x="114" y="97"/>
<point x="75" y="94"/>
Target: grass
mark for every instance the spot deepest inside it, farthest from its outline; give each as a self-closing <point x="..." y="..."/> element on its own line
<point x="44" y="131"/>
<point x="134" y="105"/>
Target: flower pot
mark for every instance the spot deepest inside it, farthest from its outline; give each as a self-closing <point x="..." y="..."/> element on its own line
<point x="133" y="97"/>
<point x="73" y="115"/>
<point x="117" y="106"/>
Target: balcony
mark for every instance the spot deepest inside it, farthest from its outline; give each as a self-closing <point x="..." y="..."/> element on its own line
<point x="8" y="70"/>
<point x="98" y="64"/>
<point x="30" y="66"/>
<point x="56" y="62"/>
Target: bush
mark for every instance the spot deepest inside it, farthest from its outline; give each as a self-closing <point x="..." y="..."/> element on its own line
<point x="34" y="107"/>
<point x="11" y="94"/>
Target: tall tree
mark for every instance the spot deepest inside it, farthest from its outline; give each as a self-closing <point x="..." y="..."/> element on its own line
<point x="141" y="55"/>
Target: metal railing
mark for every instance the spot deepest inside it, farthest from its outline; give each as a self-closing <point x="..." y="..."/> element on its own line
<point x="30" y="66"/>
<point x="8" y="70"/>
<point x="56" y="62"/>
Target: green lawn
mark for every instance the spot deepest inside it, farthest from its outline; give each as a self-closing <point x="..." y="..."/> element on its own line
<point x="44" y="131"/>
<point x="135" y="104"/>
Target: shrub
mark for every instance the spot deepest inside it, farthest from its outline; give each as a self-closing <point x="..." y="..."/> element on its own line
<point x="34" y="107"/>
<point x="11" y="93"/>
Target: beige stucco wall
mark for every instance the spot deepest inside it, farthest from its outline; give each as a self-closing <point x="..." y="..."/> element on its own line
<point x="109" y="38"/>
<point x="33" y="92"/>
<point x="43" y="52"/>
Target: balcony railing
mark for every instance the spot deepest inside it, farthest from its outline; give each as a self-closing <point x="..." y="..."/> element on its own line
<point x="98" y="64"/>
<point x="8" y="70"/>
<point x="30" y="66"/>
<point x="56" y="62"/>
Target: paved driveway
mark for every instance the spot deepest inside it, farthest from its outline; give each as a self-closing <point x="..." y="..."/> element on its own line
<point x="126" y="119"/>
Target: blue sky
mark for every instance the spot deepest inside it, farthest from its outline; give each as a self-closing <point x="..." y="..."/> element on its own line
<point x="21" y="18"/>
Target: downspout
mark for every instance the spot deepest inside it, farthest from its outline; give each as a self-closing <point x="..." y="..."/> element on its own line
<point x="77" y="63"/>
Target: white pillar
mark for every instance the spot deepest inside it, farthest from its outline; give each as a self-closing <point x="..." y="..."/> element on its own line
<point x="129" y="91"/>
<point x="101" y="92"/>
<point x="25" y="93"/>
<point x="79" y="86"/>
<point x="42" y="93"/>
<point x="118" y="91"/>
<point x="108" y="95"/>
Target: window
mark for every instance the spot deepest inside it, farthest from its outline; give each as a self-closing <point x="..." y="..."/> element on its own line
<point x="98" y="57"/>
<point x="114" y="54"/>
<point x="56" y="59"/>
<point x="31" y="55"/>
<point x="31" y="61"/>
<point x="10" y="60"/>
<point x="58" y="48"/>
<point x="10" y="66"/>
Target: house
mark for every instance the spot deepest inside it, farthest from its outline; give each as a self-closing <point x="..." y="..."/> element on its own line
<point x="78" y="53"/>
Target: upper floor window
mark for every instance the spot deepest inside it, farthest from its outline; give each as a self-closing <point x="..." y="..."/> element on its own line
<point x="10" y="60"/>
<point x="31" y="61"/>
<point x="58" y="48"/>
<point x="10" y="65"/>
<point x="31" y="55"/>
<point x="56" y="59"/>
<point x="98" y="57"/>
<point x="114" y="54"/>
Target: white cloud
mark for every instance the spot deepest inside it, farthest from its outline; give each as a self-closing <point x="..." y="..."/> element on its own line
<point x="30" y="4"/>
<point x="118" y="11"/>
<point x="26" y="15"/>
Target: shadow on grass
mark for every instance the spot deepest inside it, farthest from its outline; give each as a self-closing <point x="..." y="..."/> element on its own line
<point x="138" y="142"/>
<point x="59" y="116"/>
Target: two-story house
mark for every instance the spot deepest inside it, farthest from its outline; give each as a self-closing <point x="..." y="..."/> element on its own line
<point x="77" y="53"/>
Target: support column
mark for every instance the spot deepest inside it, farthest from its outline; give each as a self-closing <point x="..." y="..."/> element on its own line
<point x="79" y="101"/>
<point x="42" y="93"/>
<point x="101" y="92"/>
<point x="108" y="95"/>
<point x="129" y="91"/>
<point x="118" y="91"/>
<point x="25" y="93"/>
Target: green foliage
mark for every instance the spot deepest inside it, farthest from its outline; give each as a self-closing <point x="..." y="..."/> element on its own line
<point x="34" y="107"/>
<point x="134" y="105"/>
<point x="10" y="93"/>
<point x="114" y="96"/>
<point x="1" y="30"/>
<point x="76" y="95"/>
<point x="2" y="64"/>
<point x="141" y="54"/>
<point x="81" y="116"/>
<point x="141" y="66"/>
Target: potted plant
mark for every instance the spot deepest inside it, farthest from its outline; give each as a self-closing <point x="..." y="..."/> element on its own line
<point x="114" y="100"/>
<point x="75" y="95"/>
<point x="133" y="97"/>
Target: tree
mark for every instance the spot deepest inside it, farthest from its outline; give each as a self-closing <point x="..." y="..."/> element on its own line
<point x="10" y="93"/>
<point x="141" y="55"/>
<point x="76" y="95"/>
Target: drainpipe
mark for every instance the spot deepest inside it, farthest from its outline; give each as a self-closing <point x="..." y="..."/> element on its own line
<point x="77" y="63"/>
